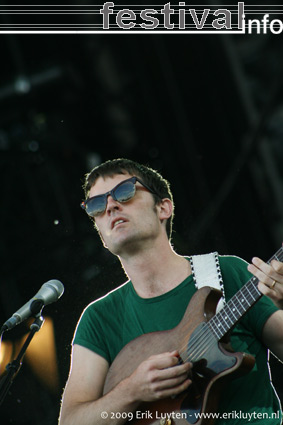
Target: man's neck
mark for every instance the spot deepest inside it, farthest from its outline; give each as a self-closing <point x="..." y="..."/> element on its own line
<point x="154" y="272"/>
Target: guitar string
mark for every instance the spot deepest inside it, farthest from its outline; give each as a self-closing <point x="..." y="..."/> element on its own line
<point x="201" y="336"/>
<point x="202" y="333"/>
<point x="207" y="337"/>
<point x="237" y="304"/>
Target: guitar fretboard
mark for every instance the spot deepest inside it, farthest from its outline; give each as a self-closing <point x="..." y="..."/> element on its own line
<point x="238" y="305"/>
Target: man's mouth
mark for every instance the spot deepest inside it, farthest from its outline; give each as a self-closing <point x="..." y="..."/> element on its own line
<point x="118" y="222"/>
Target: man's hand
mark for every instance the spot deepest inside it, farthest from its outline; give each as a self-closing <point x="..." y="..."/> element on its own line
<point x="158" y="377"/>
<point x="270" y="278"/>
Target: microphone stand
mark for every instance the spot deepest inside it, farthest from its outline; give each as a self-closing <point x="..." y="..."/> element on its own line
<point x="13" y="367"/>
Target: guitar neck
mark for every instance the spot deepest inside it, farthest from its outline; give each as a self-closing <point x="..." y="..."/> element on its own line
<point x="239" y="304"/>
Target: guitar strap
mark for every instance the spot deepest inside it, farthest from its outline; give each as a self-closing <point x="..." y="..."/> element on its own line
<point x="206" y="272"/>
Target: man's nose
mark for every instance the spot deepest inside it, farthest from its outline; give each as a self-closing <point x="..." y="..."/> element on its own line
<point x="112" y="204"/>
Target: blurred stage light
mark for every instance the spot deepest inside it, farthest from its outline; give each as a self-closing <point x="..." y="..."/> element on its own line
<point x="40" y="355"/>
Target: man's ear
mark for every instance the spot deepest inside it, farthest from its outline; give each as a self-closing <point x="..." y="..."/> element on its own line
<point x="165" y="209"/>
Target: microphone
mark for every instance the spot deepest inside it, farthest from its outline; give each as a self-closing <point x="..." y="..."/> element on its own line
<point x="50" y="292"/>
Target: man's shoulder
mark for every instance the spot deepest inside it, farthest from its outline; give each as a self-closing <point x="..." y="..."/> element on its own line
<point x="234" y="273"/>
<point x="232" y="261"/>
<point x="114" y="297"/>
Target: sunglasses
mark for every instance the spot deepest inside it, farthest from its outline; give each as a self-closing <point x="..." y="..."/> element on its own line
<point x="123" y="192"/>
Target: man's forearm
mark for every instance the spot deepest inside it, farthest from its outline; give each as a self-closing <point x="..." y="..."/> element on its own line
<point x="114" y="408"/>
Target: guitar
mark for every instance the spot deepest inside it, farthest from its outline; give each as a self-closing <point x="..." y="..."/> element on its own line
<point x="202" y="338"/>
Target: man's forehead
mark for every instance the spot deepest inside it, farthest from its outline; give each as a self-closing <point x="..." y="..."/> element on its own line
<point x="106" y="183"/>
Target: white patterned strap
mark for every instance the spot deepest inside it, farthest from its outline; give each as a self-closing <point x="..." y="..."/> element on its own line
<point x="206" y="272"/>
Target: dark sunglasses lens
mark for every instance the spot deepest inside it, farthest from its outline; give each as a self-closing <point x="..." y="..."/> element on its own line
<point x="125" y="191"/>
<point x="96" y="206"/>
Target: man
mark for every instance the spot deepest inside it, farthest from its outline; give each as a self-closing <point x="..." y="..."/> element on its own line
<point x="132" y="208"/>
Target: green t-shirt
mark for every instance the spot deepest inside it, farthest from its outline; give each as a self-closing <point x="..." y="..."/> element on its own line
<point x="112" y="321"/>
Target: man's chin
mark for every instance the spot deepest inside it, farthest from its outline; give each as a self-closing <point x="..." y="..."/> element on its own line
<point x="125" y="246"/>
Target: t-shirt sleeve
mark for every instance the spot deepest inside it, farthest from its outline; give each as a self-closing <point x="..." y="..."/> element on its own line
<point x="90" y="334"/>
<point x="235" y="274"/>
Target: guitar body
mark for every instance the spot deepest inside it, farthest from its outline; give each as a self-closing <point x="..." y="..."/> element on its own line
<point x="213" y="362"/>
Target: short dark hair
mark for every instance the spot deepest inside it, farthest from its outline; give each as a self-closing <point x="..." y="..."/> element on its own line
<point x="148" y="175"/>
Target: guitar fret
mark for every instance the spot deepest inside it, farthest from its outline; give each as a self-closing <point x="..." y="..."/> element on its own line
<point x="216" y="332"/>
<point x="238" y="305"/>
<point x="247" y="296"/>
<point x="220" y="323"/>
<point x="232" y="310"/>
<point x="252" y="284"/>
<point x="227" y="317"/>
<point x="235" y="309"/>
<point x="219" y="326"/>
<point x="250" y="294"/>
<point x="217" y="322"/>
<point x="240" y="302"/>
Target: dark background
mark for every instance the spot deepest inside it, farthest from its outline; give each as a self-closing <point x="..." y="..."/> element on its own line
<point x="205" y="111"/>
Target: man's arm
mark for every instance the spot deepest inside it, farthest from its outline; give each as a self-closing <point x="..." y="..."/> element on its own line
<point x="271" y="284"/>
<point x="84" y="404"/>
<point x="273" y="334"/>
